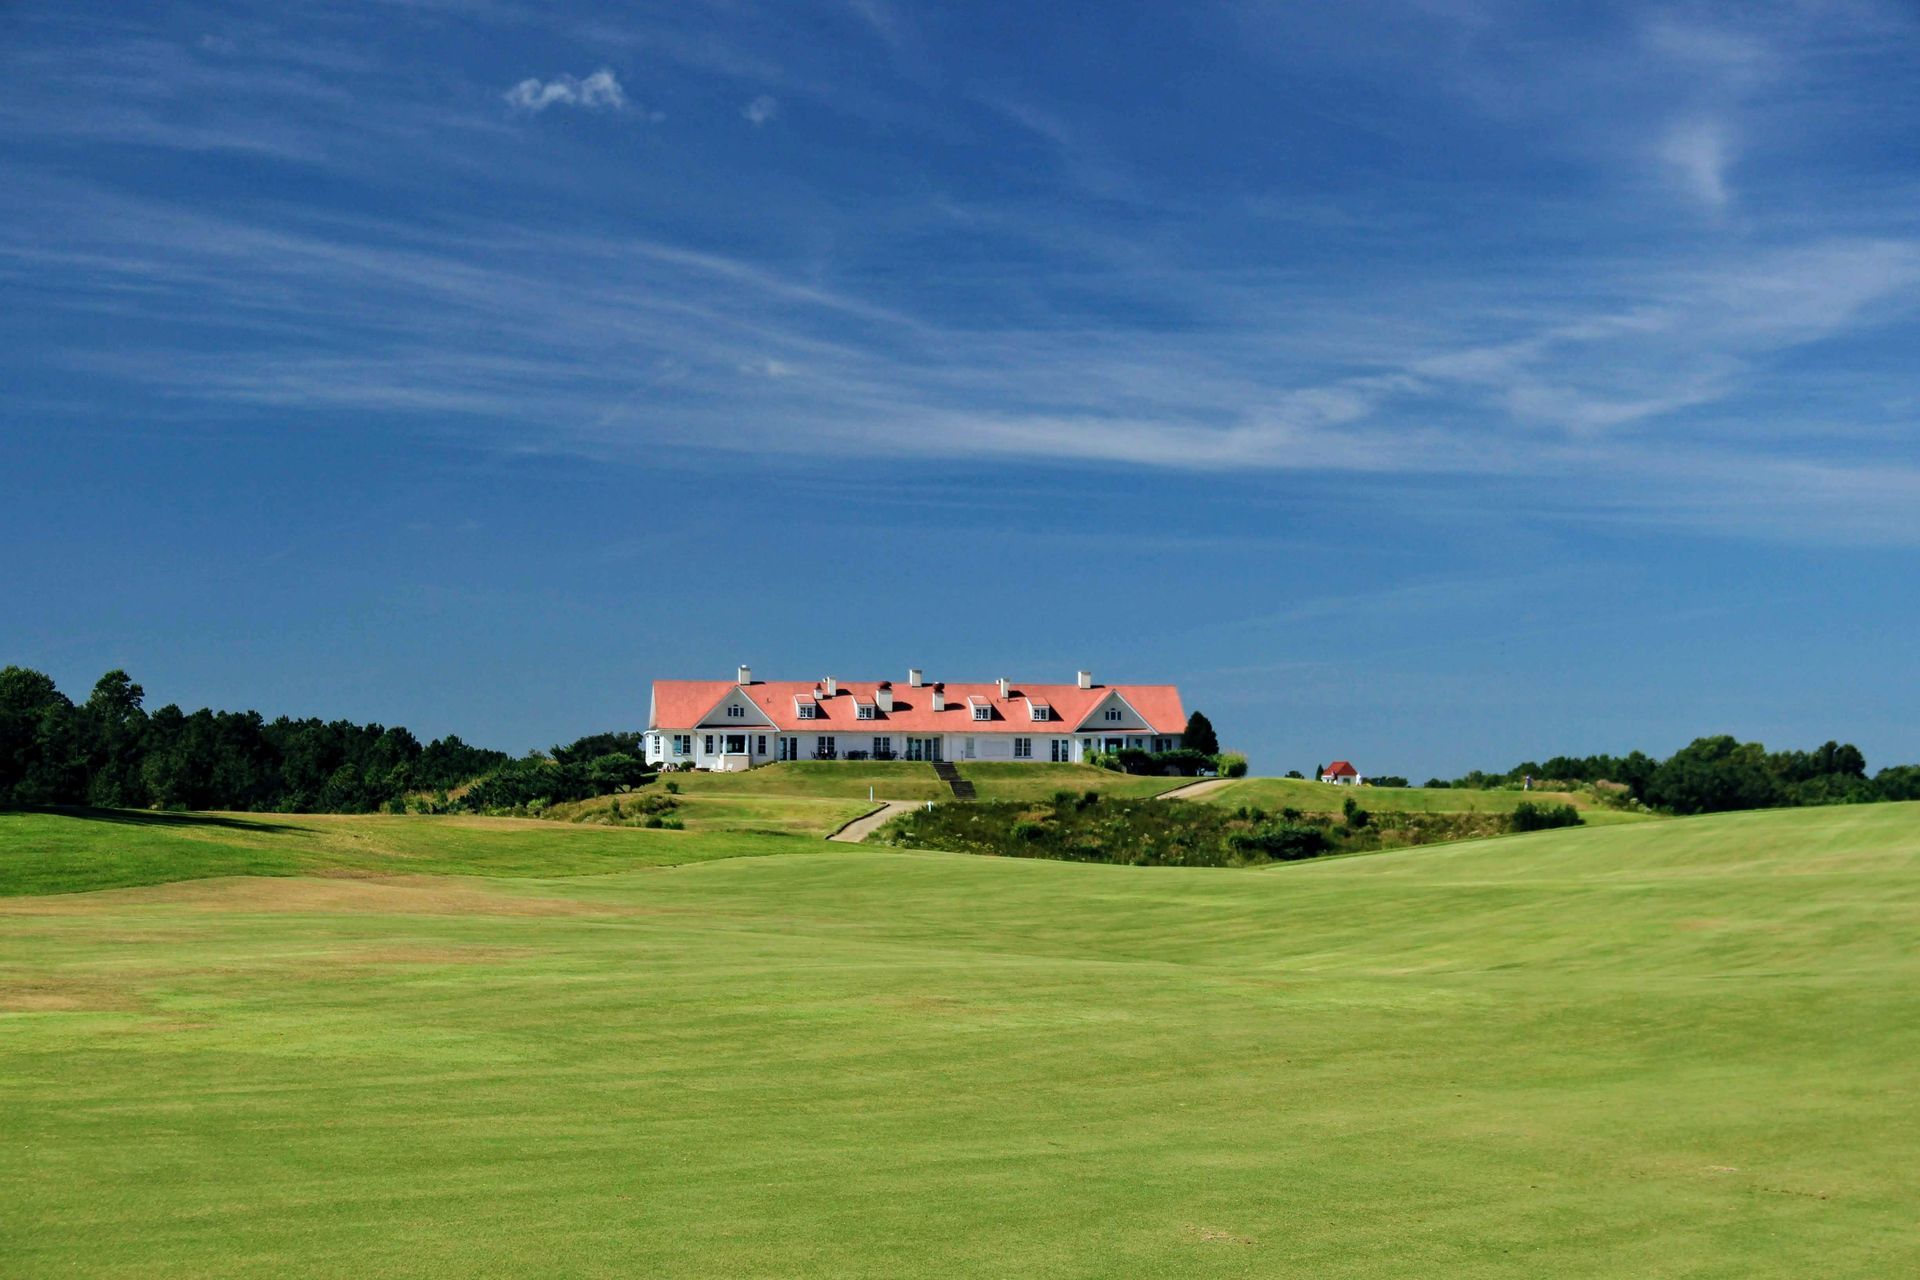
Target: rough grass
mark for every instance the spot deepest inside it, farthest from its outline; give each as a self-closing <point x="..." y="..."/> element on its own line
<point x="1275" y="794"/>
<point x="78" y="850"/>
<point x="1672" y="1049"/>
<point x="1150" y="833"/>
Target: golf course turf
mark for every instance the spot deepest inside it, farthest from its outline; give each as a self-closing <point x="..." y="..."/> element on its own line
<point x="1681" y="1048"/>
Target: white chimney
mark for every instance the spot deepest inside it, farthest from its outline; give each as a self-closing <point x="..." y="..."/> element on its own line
<point x="746" y="674"/>
<point x="883" y="696"/>
<point x="1086" y="680"/>
<point x="1003" y="688"/>
<point x="832" y="686"/>
<point x="913" y="678"/>
<point x="939" y="697"/>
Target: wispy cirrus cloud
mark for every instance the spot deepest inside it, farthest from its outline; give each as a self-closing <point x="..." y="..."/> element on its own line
<point x="1698" y="152"/>
<point x="1141" y="330"/>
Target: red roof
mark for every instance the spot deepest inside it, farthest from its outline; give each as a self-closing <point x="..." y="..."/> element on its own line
<point x="685" y="704"/>
<point x="1340" y="769"/>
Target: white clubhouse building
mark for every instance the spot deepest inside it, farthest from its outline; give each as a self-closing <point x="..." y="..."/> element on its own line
<point x="737" y="724"/>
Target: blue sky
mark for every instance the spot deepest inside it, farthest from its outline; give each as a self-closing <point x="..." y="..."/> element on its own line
<point x="1433" y="384"/>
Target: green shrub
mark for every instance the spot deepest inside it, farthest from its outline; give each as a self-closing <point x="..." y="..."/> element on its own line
<point x="1028" y="831"/>
<point x="1528" y="816"/>
<point x="1230" y="764"/>
<point x="1355" y="815"/>
<point x="1281" y="841"/>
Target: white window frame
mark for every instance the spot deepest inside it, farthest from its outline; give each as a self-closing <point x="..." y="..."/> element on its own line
<point x="709" y="750"/>
<point x="882" y="744"/>
<point x="983" y="713"/>
<point x="824" y="745"/>
<point x="863" y="711"/>
<point x="682" y="744"/>
<point x="736" y="712"/>
<point x="1114" y="713"/>
<point x="1023" y="748"/>
<point x="807" y="711"/>
<point x="1042" y="712"/>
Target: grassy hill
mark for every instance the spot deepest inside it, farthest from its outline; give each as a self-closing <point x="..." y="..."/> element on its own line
<point x="1274" y="794"/>
<point x="704" y="809"/>
<point x="110" y="848"/>
<point x="903" y="780"/>
<point x="1667" y="1049"/>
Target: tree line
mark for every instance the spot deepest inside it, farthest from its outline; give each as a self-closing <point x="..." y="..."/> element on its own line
<point x="1718" y="774"/>
<point x="111" y="752"/>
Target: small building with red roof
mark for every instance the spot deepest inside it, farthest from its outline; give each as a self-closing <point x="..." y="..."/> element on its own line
<point x="1343" y="773"/>
<point x="743" y="722"/>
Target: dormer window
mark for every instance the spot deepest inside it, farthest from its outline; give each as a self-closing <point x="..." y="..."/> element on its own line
<point x="863" y="711"/>
<point x="981" y="712"/>
<point x="1040" y="711"/>
<point x="806" y="710"/>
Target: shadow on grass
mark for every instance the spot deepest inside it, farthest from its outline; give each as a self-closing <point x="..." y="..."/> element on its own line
<point x="158" y="818"/>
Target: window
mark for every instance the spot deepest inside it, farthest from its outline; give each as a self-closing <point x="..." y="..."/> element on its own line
<point x="709" y="744"/>
<point x="789" y="748"/>
<point x="823" y="747"/>
<point x="1023" y="748"/>
<point x="736" y="711"/>
<point x="760" y="745"/>
<point x="1113" y="713"/>
<point x="808" y="711"/>
<point x="683" y="744"/>
<point x="862" y="711"/>
<point x="883" y="748"/>
<point x="1061" y="750"/>
<point x="1041" y="711"/>
<point x="736" y="744"/>
<point x="983" y="713"/>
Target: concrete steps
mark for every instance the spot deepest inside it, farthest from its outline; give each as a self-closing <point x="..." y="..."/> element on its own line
<point x="962" y="789"/>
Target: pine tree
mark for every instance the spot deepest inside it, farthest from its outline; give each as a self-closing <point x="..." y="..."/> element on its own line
<point x="1200" y="735"/>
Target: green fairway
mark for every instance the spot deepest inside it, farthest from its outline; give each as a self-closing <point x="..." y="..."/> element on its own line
<point x="1668" y="1049"/>
<point x="1275" y="794"/>
<point x="106" y="848"/>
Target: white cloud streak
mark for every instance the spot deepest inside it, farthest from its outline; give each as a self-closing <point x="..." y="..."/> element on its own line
<point x="762" y="110"/>
<point x="601" y="90"/>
